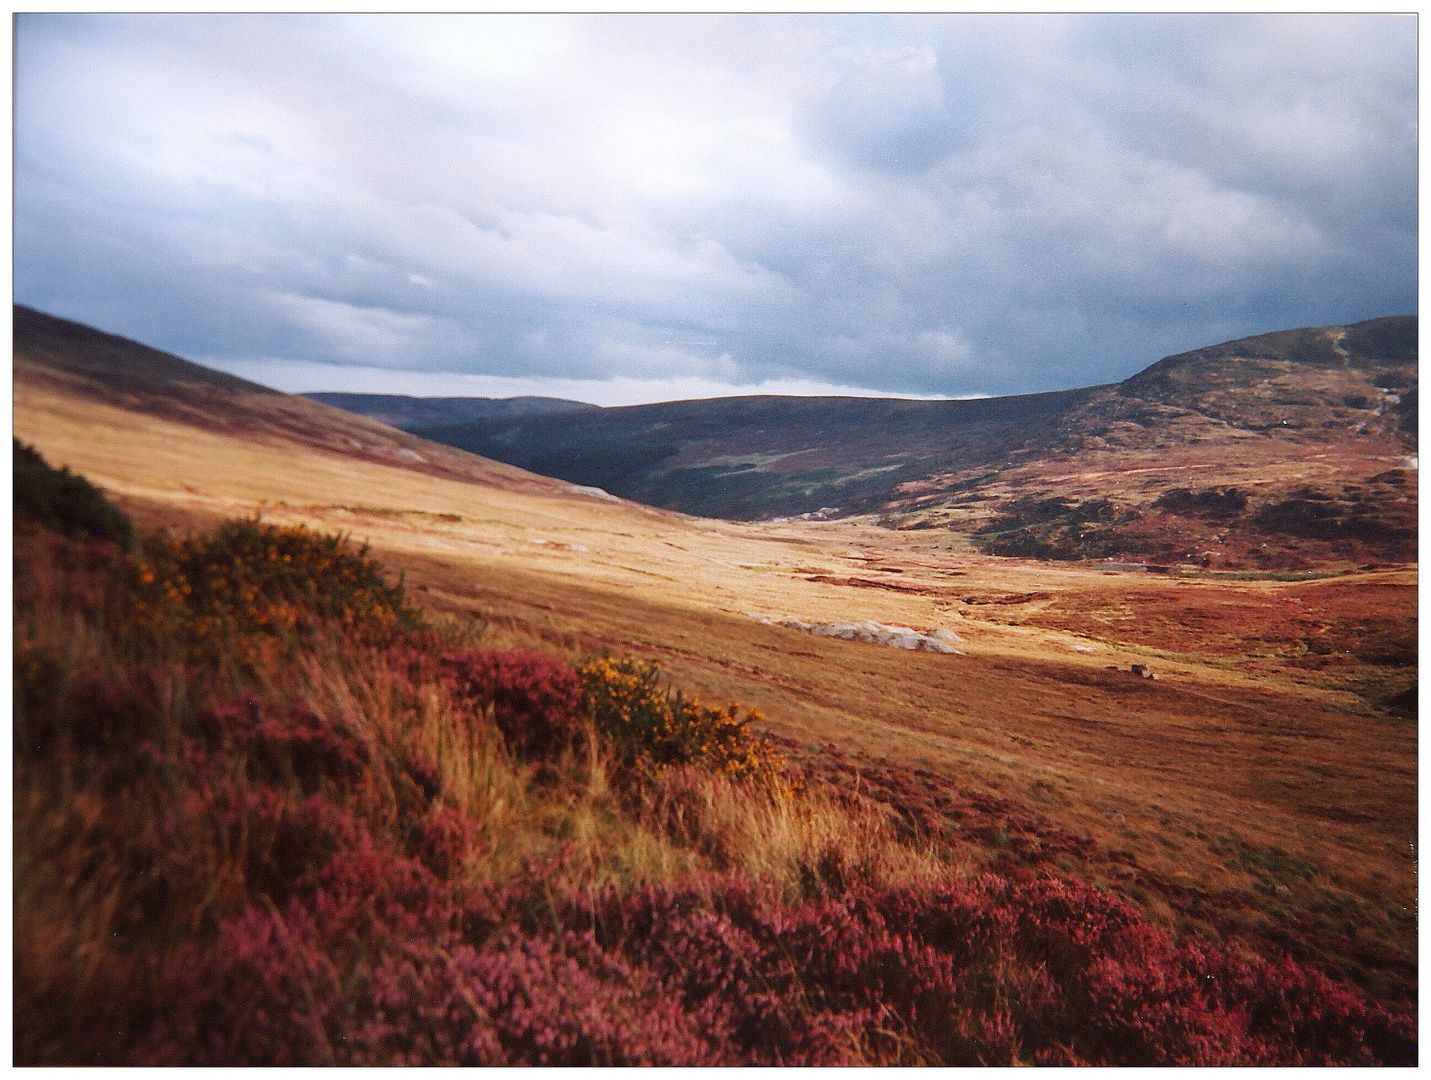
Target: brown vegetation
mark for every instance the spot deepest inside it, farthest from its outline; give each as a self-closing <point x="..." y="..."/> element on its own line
<point x="1280" y="451"/>
<point x="1258" y="795"/>
<point x="341" y="836"/>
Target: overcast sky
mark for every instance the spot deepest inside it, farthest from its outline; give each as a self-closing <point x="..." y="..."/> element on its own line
<point x="638" y="208"/>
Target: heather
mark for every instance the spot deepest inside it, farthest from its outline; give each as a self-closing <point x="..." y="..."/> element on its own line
<point x="64" y="501"/>
<point x="268" y="812"/>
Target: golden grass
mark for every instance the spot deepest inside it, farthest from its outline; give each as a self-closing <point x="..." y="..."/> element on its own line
<point x="1175" y="774"/>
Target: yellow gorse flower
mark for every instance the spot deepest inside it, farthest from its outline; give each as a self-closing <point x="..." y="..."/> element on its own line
<point x="627" y="702"/>
<point x="248" y="581"/>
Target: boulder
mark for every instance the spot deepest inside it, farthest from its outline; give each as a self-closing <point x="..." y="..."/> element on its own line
<point x="937" y="640"/>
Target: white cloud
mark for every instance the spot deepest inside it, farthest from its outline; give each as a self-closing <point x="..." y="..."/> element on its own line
<point x="300" y="377"/>
<point x="938" y="204"/>
<point x="366" y="335"/>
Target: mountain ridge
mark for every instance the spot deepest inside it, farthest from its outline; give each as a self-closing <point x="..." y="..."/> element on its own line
<point x="55" y="357"/>
<point x="1284" y="451"/>
<point x="1276" y="417"/>
<point x="412" y="413"/>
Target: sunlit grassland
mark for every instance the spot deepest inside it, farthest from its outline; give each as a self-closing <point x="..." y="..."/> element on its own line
<point x="1204" y="799"/>
<point x="1159" y="773"/>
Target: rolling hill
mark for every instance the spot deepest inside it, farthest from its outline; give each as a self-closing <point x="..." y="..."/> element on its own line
<point x="1262" y="789"/>
<point x="67" y="361"/>
<point x="412" y="413"/>
<point x="766" y="456"/>
<point x="1282" y="451"/>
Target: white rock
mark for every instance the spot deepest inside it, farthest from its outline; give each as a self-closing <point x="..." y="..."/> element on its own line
<point x="873" y="633"/>
<point x="946" y="636"/>
<point x="594" y="492"/>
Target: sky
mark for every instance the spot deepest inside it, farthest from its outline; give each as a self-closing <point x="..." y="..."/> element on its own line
<point x="624" y="209"/>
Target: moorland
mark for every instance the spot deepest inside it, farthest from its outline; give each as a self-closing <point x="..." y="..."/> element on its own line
<point x="417" y="795"/>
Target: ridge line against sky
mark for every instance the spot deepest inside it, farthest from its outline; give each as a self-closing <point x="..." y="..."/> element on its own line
<point x="621" y="209"/>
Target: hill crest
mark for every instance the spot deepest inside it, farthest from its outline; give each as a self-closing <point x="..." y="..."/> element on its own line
<point x="414" y="413"/>
<point x="1282" y="451"/>
<point x="68" y="360"/>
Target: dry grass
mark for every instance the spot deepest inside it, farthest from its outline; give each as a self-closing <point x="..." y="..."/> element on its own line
<point x="1219" y="777"/>
<point x="345" y="847"/>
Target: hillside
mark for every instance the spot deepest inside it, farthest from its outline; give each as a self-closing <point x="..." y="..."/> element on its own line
<point x="765" y="456"/>
<point x="412" y="413"/>
<point x="1282" y="451"/>
<point x="67" y="361"/>
<point x="1259" y="794"/>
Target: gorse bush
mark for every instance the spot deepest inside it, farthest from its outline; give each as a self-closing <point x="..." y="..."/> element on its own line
<point x="627" y="703"/>
<point x="65" y="502"/>
<point x="264" y="816"/>
<point x="249" y="580"/>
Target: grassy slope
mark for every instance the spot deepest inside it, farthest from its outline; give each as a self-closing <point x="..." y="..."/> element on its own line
<point x="756" y="457"/>
<point x="1212" y="780"/>
<point x="260" y="822"/>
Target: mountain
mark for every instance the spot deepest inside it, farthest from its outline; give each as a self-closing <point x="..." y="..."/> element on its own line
<point x="1275" y="451"/>
<point x="754" y="457"/>
<point x="1283" y="451"/>
<point x="412" y="413"/>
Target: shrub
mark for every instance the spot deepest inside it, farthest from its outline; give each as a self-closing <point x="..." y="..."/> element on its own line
<point x="536" y="701"/>
<point x="373" y="962"/>
<point x="221" y="875"/>
<point x="105" y="713"/>
<point x="627" y="703"/>
<point x="443" y="839"/>
<point x="312" y="751"/>
<point x="257" y="581"/>
<point x="64" y="501"/>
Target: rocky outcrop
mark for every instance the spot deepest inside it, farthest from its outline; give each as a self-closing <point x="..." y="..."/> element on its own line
<point x="938" y="640"/>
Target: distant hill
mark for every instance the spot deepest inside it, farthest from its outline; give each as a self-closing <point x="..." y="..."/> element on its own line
<point x="760" y="457"/>
<point x="1282" y="451"/>
<point x="412" y="413"/>
<point x="1309" y="430"/>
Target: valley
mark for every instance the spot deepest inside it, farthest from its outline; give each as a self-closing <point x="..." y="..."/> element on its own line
<point x="1272" y="724"/>
<point x="1283" y="451"/>
<point x="697" y="540"/>
<point x="1257" y="782"/>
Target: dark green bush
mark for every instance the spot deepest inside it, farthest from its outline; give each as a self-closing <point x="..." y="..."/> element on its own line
<point x="64" y="501"/>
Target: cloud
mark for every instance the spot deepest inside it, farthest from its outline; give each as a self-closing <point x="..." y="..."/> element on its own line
<point x="302" y="376"/>
<point x="367" y="335"/>
<point x="935" y="205"/>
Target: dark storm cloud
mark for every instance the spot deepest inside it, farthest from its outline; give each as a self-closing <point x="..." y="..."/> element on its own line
<point x="638" y="207"/>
